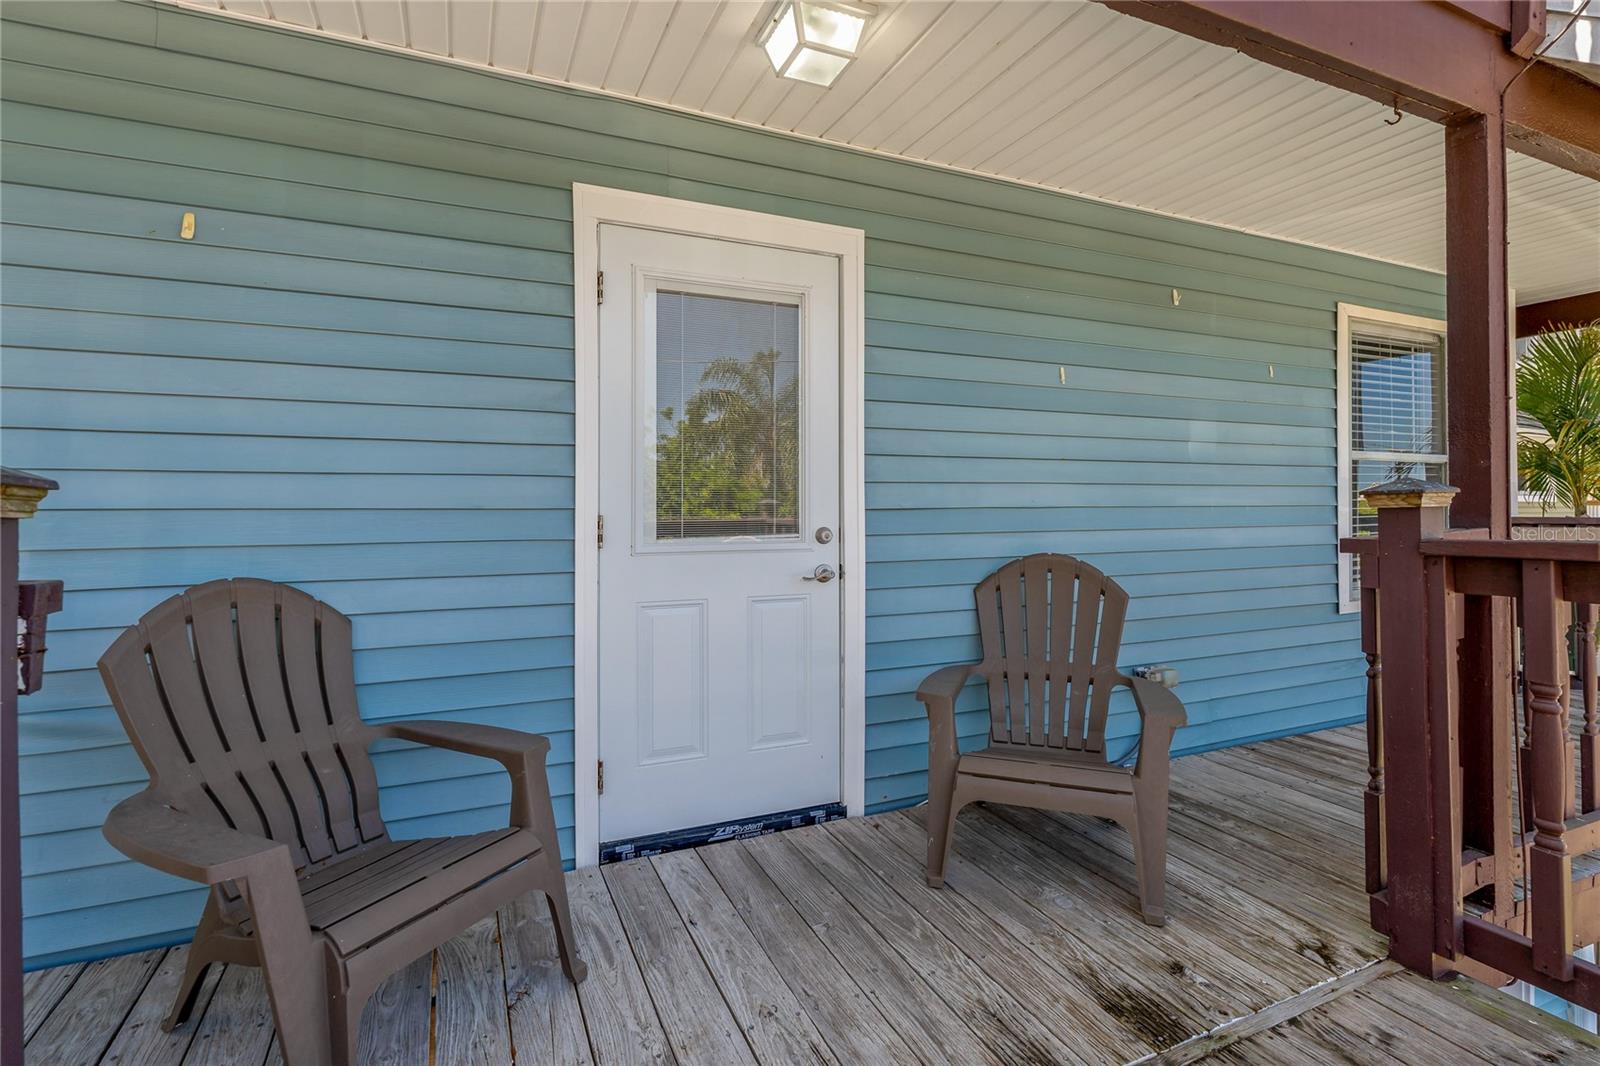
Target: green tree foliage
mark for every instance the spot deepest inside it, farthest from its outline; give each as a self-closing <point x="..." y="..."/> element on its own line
<point x="1558" y="386"/>
<point x="733" y="451"/>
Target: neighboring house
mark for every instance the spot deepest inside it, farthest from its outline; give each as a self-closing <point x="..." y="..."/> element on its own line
<point x="1572" y="37"/>
<point x="381" y="369"/>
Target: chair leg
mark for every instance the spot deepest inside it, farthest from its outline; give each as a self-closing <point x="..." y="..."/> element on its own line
<point x="555" y="893"/>
<point x="943" y="808"/>
<point x="296" y="965"/>
<point x="194" y="973"/>
<point x="194" y="967"/>
<point x="344" y="1026"/>
<point x="1150" y="854"/>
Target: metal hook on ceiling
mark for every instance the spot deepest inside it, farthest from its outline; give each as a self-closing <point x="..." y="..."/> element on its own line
<point x="1397" y="115"/>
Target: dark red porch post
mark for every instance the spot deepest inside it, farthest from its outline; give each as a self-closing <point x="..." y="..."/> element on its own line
<point x="1478" y="402"/>
<point x="1423" y="892"/>
<point x="20" y="494"/>
<point x="1477" y="348"/>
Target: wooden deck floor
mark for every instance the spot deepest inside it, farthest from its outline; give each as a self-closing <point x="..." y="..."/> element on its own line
<point x="824" y="945"/>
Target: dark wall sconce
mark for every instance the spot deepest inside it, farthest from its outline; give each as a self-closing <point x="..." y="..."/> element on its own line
<point x="36" y="601"/>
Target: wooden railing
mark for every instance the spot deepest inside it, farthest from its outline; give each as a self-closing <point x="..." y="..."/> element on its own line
<point x="1480" y="800"/>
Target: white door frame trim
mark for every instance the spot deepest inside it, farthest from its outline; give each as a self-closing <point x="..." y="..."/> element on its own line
<point x="591" y="206"/>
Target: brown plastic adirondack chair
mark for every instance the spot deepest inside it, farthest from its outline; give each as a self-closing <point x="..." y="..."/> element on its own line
<point x="240" y="698"/>
<point x="1051" y="628"/>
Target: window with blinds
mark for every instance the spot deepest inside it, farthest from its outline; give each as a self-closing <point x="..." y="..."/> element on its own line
<point x="1391" y="417"/>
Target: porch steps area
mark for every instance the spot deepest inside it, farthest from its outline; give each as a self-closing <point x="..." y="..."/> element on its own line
<point x="824" y="944"/>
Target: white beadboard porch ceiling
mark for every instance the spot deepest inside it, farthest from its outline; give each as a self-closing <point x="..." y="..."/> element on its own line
<point x="1059" y="93"/>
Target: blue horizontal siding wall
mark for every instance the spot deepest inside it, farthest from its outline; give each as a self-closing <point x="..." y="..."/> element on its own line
<point x="358" y="378"/>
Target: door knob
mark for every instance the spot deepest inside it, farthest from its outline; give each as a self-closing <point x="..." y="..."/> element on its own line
<point x="822" y="574"/>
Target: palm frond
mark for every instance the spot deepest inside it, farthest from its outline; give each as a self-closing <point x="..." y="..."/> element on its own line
<point x="1558" y="386"/>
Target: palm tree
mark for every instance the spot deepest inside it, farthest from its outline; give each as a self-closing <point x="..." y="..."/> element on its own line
<point x="752" y="416"/>
<point x="1558" y="386"/>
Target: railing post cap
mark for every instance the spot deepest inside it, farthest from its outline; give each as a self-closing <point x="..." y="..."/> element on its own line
<point x="1409" y="492"/>
<point x="20" y="492"/>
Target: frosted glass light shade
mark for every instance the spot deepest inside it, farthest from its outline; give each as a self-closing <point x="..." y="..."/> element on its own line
<point x="814" y="40"/>
<point x="831" y="27"/>
<point x="817" y="67"/>
<point x="783" y="39"/>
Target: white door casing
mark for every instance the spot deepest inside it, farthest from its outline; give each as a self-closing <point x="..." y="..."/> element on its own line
<point x="715" y="682"/>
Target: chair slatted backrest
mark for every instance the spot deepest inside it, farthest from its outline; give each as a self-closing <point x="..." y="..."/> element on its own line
<point x="240" y="698"/>
<point x="1052" y="628"/>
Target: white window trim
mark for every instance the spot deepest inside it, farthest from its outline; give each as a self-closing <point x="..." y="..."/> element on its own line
<point x="1349" y="597"/>
<point x="591" y="206"/>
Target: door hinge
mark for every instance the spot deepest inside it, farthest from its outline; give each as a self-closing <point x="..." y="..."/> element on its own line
<point x="600" y="531"/>
<point x="600" y="777"/>
<point x="599" y="286"/>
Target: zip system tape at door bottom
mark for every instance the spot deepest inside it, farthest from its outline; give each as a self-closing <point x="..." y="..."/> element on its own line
<point x="678" y="839"/>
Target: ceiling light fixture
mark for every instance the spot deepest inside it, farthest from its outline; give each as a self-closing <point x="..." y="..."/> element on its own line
<point x="814" y="40"/>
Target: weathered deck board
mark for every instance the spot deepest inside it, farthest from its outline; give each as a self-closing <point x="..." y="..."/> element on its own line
<point x="824" y="945"/>
<point x="1036" y="985"/>
<point x="777" y="1027"/>
<point x="141" y="1039"/>
<point x="1237" y="939"/>
<point x="473" y="1027"/>
<point x="692" y="1010"/>
<point x="622" y="1022"/>
<point x="922" y="1018"/>
<point x="236" y="1029"/>
<point x="844" y="1014"/>
<point x="546" y="1019"/>
<point x="1213" y="1043"/>
<point x="1023" y="906"/>
<point x="394" y="1027"/>
<point x="1479" y="1026"/>
<point x="988" y="1005"/>
<point x="41" y="991"/>
<point x="84" y="1023"/>
<point x="1164" y="987"/>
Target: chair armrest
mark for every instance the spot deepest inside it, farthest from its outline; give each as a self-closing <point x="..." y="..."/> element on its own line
<point x="945" y="683"/>
<point x="522" y="754"/>
<point x="1158" y="705"/>
<point x="507" y="746"/>
<point x="1160" y="713"/>
<point x="146" y="828"/>
<point x="938" y="693"/>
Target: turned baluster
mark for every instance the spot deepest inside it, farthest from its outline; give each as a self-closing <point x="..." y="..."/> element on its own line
<point x="1544" y="616"/>
<point x="1377" y="874"/>
<point x="1589" y="741"/>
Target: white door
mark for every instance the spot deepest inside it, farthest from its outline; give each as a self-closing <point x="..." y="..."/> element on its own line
<point x="719" y="611"/>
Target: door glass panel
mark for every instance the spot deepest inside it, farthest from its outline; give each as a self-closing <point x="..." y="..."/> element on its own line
<point x="727" y="418"/>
